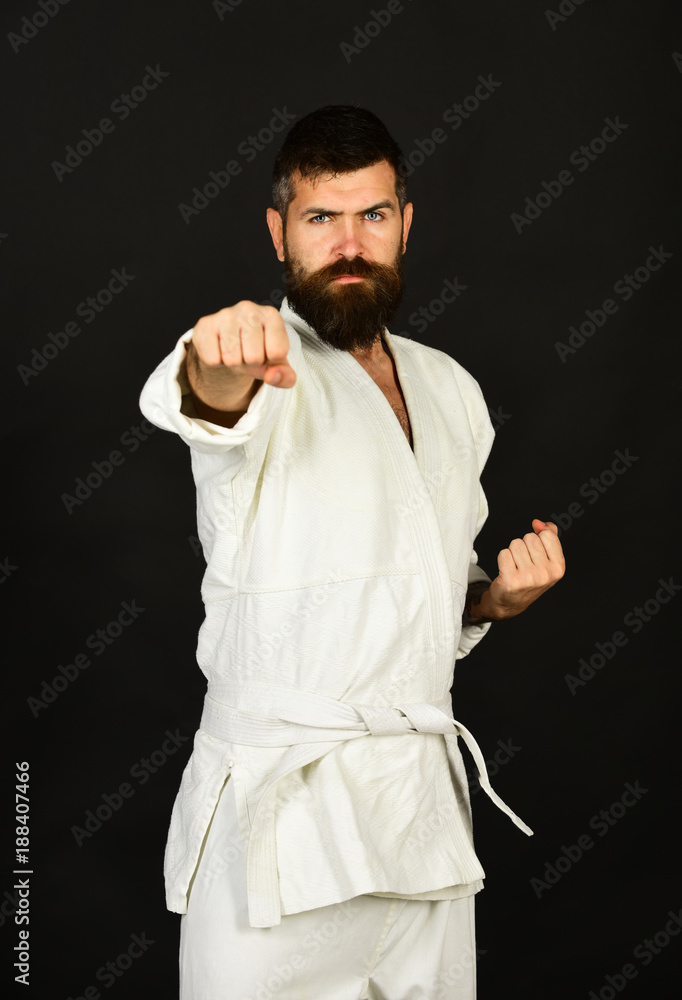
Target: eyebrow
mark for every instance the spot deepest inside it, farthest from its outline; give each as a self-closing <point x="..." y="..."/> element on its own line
<point x="363" y="211"/>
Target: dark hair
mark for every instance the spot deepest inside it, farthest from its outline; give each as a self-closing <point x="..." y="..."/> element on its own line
<point x="336" y="139"/>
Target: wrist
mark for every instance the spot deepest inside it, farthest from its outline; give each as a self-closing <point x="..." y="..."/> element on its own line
<point x="477" y="606"/>
<point x="494" y="610"/>
<point x="486" y="609"/>
<point x="218" y="388"/>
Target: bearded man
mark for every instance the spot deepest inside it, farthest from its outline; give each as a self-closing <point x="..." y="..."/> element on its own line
<point x="321" y="841"/>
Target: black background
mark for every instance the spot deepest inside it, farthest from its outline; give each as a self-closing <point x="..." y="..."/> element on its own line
<point x="560" y="423"/>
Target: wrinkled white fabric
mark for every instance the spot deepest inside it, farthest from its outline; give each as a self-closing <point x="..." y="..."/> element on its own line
<point x="337" y="566"/>
<point x="364" y="948"/>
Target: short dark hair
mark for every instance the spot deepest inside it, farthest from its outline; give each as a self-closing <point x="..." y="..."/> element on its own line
<point x="336" y="139"/>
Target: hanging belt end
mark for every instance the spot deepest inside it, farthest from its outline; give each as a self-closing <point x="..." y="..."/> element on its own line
<point x="264" y="914"/>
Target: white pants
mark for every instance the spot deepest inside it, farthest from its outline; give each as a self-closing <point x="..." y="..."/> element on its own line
<point x="365" y="948"/>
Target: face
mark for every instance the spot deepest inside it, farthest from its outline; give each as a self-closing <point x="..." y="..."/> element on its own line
<point x="342" y="251"/>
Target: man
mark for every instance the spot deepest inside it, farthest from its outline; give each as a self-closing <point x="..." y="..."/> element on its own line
<point x="321" y="841"/>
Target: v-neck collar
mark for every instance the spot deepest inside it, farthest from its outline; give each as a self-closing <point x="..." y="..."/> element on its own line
<point x="353" y="365"/>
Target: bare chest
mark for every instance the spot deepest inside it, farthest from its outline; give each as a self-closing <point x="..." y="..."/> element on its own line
<point x="386" y="377"/>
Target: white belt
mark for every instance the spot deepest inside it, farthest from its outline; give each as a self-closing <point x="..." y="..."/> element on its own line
<point x="278" y="717"/>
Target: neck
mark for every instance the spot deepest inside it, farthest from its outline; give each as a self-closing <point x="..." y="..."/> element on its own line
<point x="374" y="355"/>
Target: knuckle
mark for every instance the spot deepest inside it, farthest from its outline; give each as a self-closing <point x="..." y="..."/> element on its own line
<point x="223" y="319"/>
<point x="228" y="334"/>
<point x="250" y="313"/>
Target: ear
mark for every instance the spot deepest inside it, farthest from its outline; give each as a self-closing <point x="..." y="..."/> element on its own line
<point x="274" y="220"/>
<point x="407" y="222"/>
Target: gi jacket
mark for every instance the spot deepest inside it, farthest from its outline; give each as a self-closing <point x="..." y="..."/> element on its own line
<point x="337" y="566"/>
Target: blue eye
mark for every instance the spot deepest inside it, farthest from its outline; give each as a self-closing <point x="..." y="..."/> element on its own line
<point x="316" y="219"/>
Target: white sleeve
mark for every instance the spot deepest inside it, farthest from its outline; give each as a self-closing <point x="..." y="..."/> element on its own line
<point x="166" y="401"/>
<point x="484" y="435"/>
<point x="472" y="634"/>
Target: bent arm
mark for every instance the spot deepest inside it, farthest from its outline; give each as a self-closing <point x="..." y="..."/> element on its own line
<point x="527" y="568"/>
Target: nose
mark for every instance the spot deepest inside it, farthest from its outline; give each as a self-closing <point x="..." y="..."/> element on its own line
<point x="348" y="239"/>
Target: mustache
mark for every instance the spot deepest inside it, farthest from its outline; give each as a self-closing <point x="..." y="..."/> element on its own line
<point x="357" y="267"/>
<point x="347" y="315"/>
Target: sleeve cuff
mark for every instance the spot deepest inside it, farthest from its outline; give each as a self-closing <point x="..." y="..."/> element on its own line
<point x="472" y="634"/>
<point x="166" y="402"/>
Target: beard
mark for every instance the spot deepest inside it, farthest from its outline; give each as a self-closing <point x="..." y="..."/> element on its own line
<point x="349" y="316"/>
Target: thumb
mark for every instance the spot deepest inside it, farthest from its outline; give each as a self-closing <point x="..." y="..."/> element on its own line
<point x="539" y="526"/>
<point x="282" y="375"/>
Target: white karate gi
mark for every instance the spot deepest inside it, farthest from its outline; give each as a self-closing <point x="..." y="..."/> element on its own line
<point x="365" y="948"/>
<point x="337" y="567"/>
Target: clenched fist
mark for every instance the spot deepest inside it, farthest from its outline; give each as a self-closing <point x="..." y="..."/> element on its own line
<point x="230" y="353"/>
<point x="526" y="569"/>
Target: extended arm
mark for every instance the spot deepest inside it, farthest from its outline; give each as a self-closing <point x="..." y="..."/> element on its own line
<point x="231" y="352"/>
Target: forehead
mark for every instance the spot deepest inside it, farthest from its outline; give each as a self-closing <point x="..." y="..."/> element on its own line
<point x="368" y="184"/>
